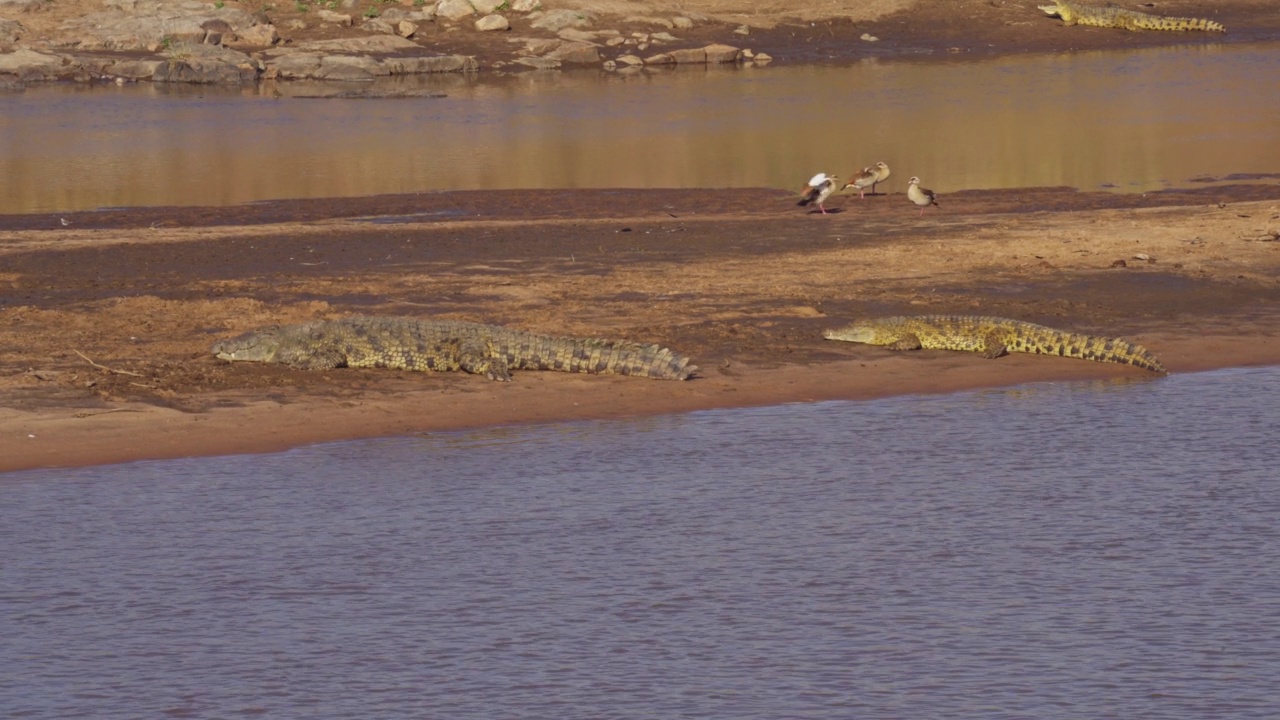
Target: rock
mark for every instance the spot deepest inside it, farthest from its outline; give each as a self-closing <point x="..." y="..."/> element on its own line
<point x="454" y="9"/>
<point x="696" y="56"/>
<point x="681" y="23"/>
<point x="258" y="36"/>
<point x="615" y="41"/>
<point x="660" y="59"/>
<point x="378" y="25"/>
<point x="28" y="64"/>
<point x="576" y="54"/>
<point x="868" y="37"/>
<point x="330" y="16"/>
<point x="492" y="22"/>
<point x="406" y="29"/>
<point x="630" y="60"/>
<point x="576" y="35"/>
<point x="557" y="20"/>
<point x="663" y="37"/>
<point x="10" y="31"/>
<point x="538" y="63"/>
<point x="487" y="7"/>
<point x="717" y="53"/>
<point x="206" y="65"/>
<point x="742" y="30"/>
<point x="763" y="58"/>
<point x="650" y="20"/>
<point x="526" y="6"/>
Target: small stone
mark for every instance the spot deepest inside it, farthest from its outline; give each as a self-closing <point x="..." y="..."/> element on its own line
<point x="742" y="30"/>
<point x="538" y="63"/>
<point x="630" y="60"/>
<point x="454" y="9"/>
<point x="487" y="7"/>
<point x="610" y="65"/>
<point x="663" y="37"/>
<point x="526" y="6"/>
<point x="748" y="54"/>
<point x="406" y="29"/>
<point x="1119" y="264"/>
<point x="695" y="56"/>
<point x="718" y="53"/>
<point x="660" y="59"/>
<point x="492" y="22"/>
<point x="868" y="37"/>
<point x="642" y="46"/>
<point x="330" y="16"/>
<point x="614" y="42"/>
<point x="763" y="58"/>
<point x="682" y="23"/>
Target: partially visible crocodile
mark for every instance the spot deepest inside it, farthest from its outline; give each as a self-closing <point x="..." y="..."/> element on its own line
<point x="1113" y="17"/>
<point x="992" y="337"/>
<point x="406" y="343"/>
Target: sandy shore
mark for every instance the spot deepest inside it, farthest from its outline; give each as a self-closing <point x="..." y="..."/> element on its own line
<point x="105" y="332"/>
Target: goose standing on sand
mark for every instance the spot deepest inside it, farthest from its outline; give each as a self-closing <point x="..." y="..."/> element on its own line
<point x="861" y="181"/>
<point x="920" y="196"/>
<point x="882" y="174"/>
<point x="818" y="190"/>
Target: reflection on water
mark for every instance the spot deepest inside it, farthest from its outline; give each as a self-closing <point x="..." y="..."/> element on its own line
<point x="1135" y="120"/>
<point x="1056" y="551"/>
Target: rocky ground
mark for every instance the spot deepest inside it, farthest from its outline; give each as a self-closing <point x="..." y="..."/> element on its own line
<point x="229" y="41"/>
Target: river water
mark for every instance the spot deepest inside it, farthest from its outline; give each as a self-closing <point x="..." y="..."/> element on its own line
<point x="1073" y="550"/>
<point x="1131" y="121"/>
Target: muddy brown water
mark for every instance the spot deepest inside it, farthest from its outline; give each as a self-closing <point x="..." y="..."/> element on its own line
<point x="1126" y="121"/>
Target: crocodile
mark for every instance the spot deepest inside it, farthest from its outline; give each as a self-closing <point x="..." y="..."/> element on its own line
<point x="407" y="343"/>
<point x="1113" y="17"/>
<point x="992" y="337"/>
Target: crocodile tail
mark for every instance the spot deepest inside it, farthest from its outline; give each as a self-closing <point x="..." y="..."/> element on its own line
<point x="600" y="357"/>
<point x="1047" y="341"/>
<point x="1177" y="24"/>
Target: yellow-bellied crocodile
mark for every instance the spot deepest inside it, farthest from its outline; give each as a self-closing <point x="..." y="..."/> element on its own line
<point x="992" y="337"/>
<point x="1113" y="17"/>
<point x="407" y="343"/>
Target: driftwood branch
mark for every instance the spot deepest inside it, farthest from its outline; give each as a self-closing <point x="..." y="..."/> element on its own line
<point x="104" y="367"/>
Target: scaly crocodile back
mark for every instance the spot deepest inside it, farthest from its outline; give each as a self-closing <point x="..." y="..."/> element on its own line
<point x="992" y="336"/>
<point x="443" y="345"/>
<point x="1112" y="17"/>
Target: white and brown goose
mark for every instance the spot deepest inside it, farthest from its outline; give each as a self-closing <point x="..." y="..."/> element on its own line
<point x="861" y="181"/>
<point x="818" y="189"/>
<point x="882" y="174"/>
<point x="920" y="196"/>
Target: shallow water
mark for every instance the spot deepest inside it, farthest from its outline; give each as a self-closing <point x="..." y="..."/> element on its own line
<point x="1133" y="121"/>
<point x="1050" y="551"/>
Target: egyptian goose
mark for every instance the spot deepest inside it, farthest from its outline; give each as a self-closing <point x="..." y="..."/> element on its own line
<point x="920" y="196"/>
<point x="861" y="181"/>
<point x="818" y="190"/>
<point x="882" y="174"/>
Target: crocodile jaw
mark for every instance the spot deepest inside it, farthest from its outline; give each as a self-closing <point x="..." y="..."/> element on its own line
<point x="250" y="347"/>
<point x="853" y="333"/>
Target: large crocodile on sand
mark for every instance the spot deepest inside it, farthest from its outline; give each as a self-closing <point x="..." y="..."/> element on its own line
<point x="1113" y="17"/>
<point x="992" y="337"/>
<point x="406" y="343"/>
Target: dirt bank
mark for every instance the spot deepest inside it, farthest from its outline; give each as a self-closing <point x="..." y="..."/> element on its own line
<point x="104" y="331"/>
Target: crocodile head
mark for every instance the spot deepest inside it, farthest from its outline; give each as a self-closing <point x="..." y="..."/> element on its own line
<point x="256" y="346"/>
<point x="857" y="332"/>
<point x="1060" y="9"/>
